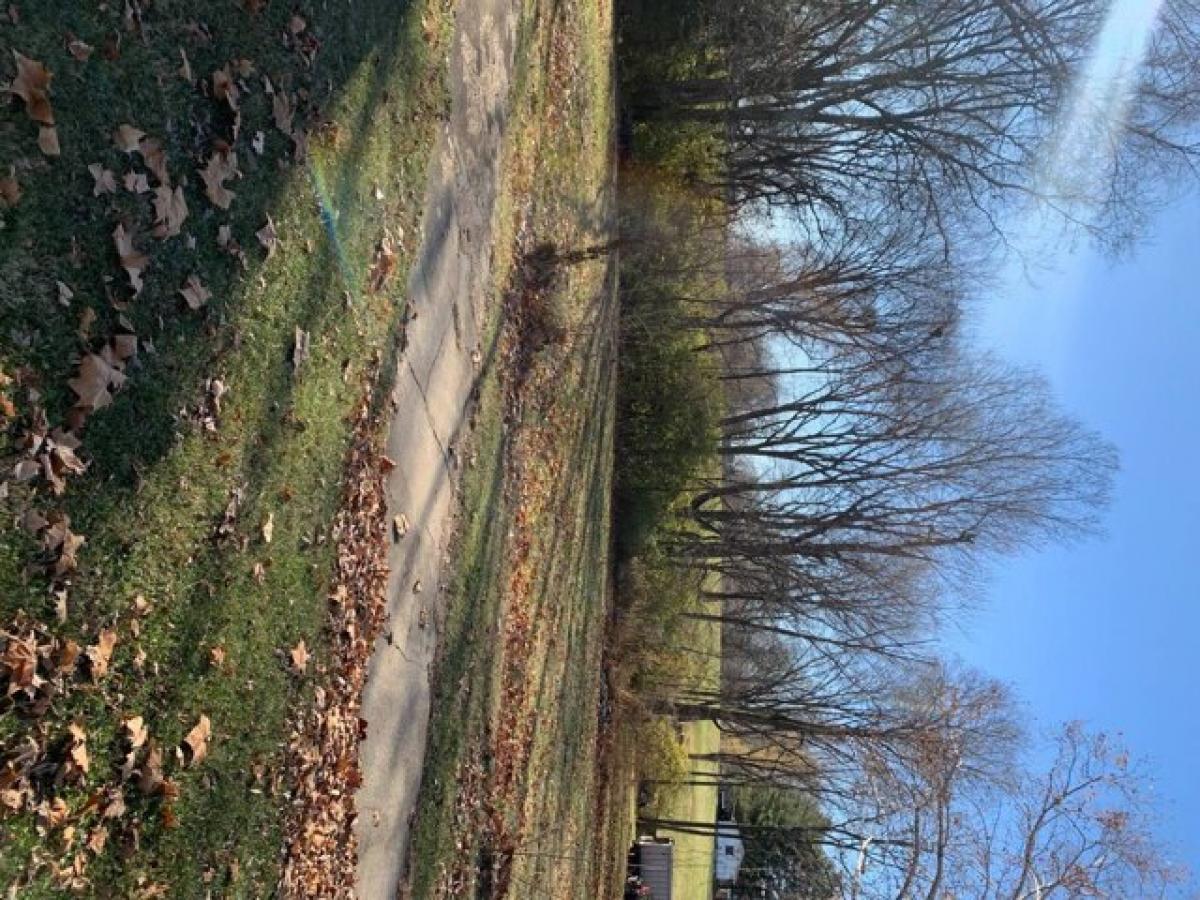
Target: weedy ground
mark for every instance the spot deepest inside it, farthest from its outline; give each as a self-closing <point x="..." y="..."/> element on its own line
<point x="214" y="457"/>
<point x="516" y="798"/>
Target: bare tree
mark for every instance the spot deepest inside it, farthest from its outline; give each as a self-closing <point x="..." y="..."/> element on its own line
<point x="938" y="110"/>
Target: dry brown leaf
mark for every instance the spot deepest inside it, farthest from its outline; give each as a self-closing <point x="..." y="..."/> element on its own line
<point x="155" y="159"/>
<point x="185" y="68"/>
<point x="48" y="141"/>
<point x="87" y="319"/>
<point x="195" y="744"/>
<point x="283" y="110"/>
<point x="53" y="814"/>
<point x="33" y="521"/>
<point x="69" y="548"/>
<point x="97" y="839"/>
<point x="100" y="653"/>
<point x="106" y="181"/>
<point x="77" y="755"/>
<point x="268" y="237"/>
<point x="12" y="799"/>
<point x="383" y="265"/>
<point x="296" y="24"/>
<point x="68" y="656"/>
<point x="221" y="166"/>
<point x="136" y="731"/>
<point x="170" y="211"/>
<point x="400" y="526"/>
<point x="19" y="663"/>
<point x="132" y="260"/>
<point x="124" y="345"/>
<point x="268" y="528"/>
<point x="136" y="182"/>
<point x="10" y="190"/>
<point x="91" y="385"/>
<point x="216" y="656"/>
<point x="32" y="85"/>
<point x="65" y="294"/>
<point x="225" y="89"/>
<point x="299" y="656"/>
<point x="195" y="293"/>
<point x="79" y="49"/>
<point x="150" y="776"/>
<point x="126" y="138"/>
<point x="301" y="348"/>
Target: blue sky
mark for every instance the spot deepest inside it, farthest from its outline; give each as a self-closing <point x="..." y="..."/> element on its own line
<point x="1108" y="631"/>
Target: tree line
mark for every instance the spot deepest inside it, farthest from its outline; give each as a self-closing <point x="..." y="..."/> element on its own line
<point x="814" y="192"/>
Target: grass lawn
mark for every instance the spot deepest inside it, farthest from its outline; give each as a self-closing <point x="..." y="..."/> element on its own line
<point x="213" y="473"/>
<point x="694" y="803"/>
<point x="511" y="801"/>
<point x="694" y="858"/>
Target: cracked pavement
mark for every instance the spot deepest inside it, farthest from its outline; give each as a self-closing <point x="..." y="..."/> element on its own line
<point x="448" y="287"/>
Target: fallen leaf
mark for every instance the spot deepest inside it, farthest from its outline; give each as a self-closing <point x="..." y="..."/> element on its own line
<point x="216" y="656"/>
<point x="400" y="526"/>
<point x="299" y="656"/>
<point x="48" y="141"/>
<point x="296" y="24"/>
<point x="31" y="85"/>
<point x="26" y="470"/>
<point x="91" y="385"/>
<point x="185" y="69"/>
<point x="100" y="653"/>
<point x="259" y="142"/>
<point x="79" y="49"/>
<point x="221" y="166"/>
<point x="155" y="159"/>
<point x="170" y="211"/>
<point x="195" y="293"/>
<point x="136" y="731"/>
<point x="96" y="839"/>
<point x="383" y="265"/>
<point x="54" y="813"/>
<point x="12" y="799"/>
<point x="78" y="753"/>
<point x="33" y="521"/>
<point x="68" y="656"/>
<point x="115" y="807"/>
<point x="106" y="181"/>
<point x="283" y="111"/>
<point x="225" y="88"/>
<point x="195" y="744"/>
<point x="268" y="237"/>
<point x="126" y="138"/>
<point x="300" y="349"/>
<point x="65" y="294"/>
<point x="132" y="260"/>
<point x="10" y="190"/>
<point x="19" y="662"/>
<point x="136" y="182"/>
<point x="268" y="528"/>
<point x="67" y="560"/>
<point x="87" y="319"/>
<point x="150" y="776"/>
<point x="125" y="345"/>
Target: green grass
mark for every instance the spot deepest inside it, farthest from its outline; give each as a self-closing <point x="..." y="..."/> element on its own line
<point x="536" y="504"/>
<point x="694" y="858"/>
<point x="157" y="486"/>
